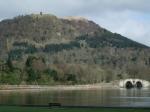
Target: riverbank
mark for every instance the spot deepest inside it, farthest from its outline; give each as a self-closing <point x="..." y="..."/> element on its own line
<point x="42" y="109"/>
<point x="59" y="87"/>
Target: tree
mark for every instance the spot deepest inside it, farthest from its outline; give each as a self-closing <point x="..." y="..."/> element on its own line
<point x="71" y="77"/>
<point x="29" y="61"/>
<point x="9" y="64"/>
<point x="33" y="75"/>
<point x="52" y="73"/>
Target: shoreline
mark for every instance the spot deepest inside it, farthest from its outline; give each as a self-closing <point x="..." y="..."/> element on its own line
<point x="58" y="87"/>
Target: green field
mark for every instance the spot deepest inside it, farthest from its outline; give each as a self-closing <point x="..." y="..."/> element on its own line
<point x="38" y="109"/>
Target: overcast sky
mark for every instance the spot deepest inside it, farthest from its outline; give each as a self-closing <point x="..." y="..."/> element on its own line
<point x="130" y="18"/>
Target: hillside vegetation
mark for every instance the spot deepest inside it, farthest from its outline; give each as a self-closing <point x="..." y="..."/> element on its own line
<point x="45" y="49"/>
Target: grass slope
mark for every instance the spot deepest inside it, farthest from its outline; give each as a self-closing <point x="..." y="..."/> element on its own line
<point x="34" y="109"/>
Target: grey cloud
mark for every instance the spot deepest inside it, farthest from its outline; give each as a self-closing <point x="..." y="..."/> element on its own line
<point x="121" y="16"/>
<point x="75" y="7"/>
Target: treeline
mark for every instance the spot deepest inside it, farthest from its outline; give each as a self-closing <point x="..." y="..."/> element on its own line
<point x="22" y="48"/>
<point x="36" y="71"/>
<point x="98" y="40"/>
<point x="108" y="39"/>
<point x="59" y="47"/>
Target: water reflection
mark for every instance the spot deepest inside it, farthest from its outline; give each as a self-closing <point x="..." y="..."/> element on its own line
<point x="100" y="97"/>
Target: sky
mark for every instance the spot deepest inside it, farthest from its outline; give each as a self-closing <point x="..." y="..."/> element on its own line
<point x="131" y="18"/>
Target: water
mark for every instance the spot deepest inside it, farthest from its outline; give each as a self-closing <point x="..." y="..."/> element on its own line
<point x="93" y="97"/>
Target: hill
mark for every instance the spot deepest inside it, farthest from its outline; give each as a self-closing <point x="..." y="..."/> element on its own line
<point x="45" y="49"/>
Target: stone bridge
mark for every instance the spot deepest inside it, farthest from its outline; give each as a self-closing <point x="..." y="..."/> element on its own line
<point x="134" y="83"/>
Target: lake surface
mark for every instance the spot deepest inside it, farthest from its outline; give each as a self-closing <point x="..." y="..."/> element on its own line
<point x="99" y="97"/>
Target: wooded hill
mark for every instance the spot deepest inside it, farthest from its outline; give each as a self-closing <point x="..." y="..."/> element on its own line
<point x="45" y="49"/>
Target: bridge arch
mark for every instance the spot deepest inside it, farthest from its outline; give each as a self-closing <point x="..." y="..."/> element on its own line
<point x="139" y="84"/>
<point x="133" y="83"/>
<point x="129" y="84"/>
